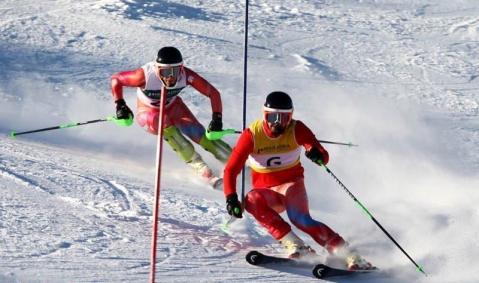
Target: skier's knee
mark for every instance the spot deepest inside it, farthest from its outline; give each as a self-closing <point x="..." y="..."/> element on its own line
<point x="301" y="220"/>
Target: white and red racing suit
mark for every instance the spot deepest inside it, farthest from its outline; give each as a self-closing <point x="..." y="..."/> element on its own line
<point x="148" y="99"/>
<point x="178" y="118"/>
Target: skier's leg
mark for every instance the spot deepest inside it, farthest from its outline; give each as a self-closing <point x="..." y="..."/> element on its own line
<point x="265" y="206"/>
<point x="179" y="143"/>
<point x="189" y="125"/>
<point x="147" y="118"/>
<point x="218" y="148"/>
<point x="184" y="148"/>
<point x="298" y="212"/>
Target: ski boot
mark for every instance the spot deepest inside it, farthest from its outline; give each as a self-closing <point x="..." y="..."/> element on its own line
<point x="204" y="171"/>
<point x="295" y="247"/>
<point x="352" y="259"/>
<point x="216" y="183"/>
<point x="356" y="262"/>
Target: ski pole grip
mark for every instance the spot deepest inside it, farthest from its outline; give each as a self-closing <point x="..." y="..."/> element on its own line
<point x="216" y="135"/>
<point x="121" y="122"/>
<point x="237" y="210"/>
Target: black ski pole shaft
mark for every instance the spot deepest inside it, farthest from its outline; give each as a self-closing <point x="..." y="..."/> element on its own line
<point x="64" y="126"/>
<point x="338" y="143"/>
<point x="214" y="135"/>
<point x="419" y="268"/>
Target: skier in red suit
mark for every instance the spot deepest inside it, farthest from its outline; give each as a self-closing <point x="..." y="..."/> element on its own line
<point x="168" y="71"/>
<point x="272" y="146"/>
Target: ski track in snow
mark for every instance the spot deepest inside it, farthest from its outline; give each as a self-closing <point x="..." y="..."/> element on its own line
<point x="84" y="214"/>
<point x="95" y="221"/>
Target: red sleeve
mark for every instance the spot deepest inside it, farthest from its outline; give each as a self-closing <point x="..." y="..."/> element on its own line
<point x="241" y="151"/>
<point x="305" y="137"/>
<point x="133" y="78"/>
<point x="205" y="88"/>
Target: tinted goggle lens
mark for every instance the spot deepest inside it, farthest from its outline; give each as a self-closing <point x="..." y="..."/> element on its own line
<point x="278" y="117"/>
<point x="169" y="71"/>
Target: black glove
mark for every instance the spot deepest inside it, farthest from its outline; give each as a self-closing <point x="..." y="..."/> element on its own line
<point x="122" y="110"/>
<point x="216" y="123"/>
<point x="315" y="155"/>
<point x="234" y="206"/>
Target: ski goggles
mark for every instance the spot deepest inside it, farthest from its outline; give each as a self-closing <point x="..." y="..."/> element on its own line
<point x="170" y="71"/>
<point x="282" y="118"/>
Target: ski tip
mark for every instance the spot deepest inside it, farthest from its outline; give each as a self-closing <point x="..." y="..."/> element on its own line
<point x="319" y="270"/>
<point x="254" y="257"/>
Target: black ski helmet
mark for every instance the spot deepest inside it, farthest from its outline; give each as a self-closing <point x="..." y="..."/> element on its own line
<point x="279" y="100"/>
<point x="169" y="55"/>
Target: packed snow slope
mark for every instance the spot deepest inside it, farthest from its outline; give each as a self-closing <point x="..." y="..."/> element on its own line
<point x="398" y="77"/>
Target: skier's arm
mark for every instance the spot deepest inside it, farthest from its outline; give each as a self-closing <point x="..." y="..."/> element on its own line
<point x="305" y="137"/>
<point x="205" y="88"/>
<point x="133" y="78"/>
<point x="235" y="164"/>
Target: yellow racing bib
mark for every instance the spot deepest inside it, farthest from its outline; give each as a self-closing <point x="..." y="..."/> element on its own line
<point x="273" y="154"/>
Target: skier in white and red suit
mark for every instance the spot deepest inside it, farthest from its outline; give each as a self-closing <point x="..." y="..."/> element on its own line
<point x="272" y="146"/>
<point x="168" y="71"/>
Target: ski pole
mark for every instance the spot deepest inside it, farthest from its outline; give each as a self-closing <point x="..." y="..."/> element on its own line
<point x="119" y="122"/>
<point x="338" y="143"/>
<point x="419" y="268"/>
<point x="216" y="135"/>
<point x="226" y="225"/>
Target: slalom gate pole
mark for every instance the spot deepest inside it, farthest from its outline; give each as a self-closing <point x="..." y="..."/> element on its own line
<point x="156" y="206"/>
<point x="245" y="85"/>
<point x="121" y="122"/>
<point x="418" y="267"/>
<point x="225" y="226"/>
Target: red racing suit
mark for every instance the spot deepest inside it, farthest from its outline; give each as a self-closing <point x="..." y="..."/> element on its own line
<point x="278" y="180"/>
<point x="176" y="112"/>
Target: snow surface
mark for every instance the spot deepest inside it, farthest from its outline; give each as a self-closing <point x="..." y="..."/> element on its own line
<point x="398" y="77"/>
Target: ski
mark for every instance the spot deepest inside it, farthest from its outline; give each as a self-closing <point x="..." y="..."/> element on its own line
<point x="322" y="271"/>
<point x="319" y="271"/>
<point x="257" y="258"/>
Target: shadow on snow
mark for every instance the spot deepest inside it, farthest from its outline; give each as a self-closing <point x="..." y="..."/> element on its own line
<point x="139" y="9"/>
